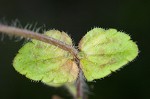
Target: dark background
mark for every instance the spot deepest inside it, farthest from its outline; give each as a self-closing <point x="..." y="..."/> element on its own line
<point x="76" y="17"/>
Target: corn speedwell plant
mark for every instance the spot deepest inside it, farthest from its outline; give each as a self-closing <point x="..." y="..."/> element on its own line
<point x="52" y="59"/>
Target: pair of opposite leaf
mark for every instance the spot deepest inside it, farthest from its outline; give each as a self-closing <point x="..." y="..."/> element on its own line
<point x="101" y="52"/>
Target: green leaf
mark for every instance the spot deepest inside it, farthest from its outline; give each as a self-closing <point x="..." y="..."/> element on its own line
<point x="104" y="51"/>
<point x="101" y="52"/>
<point x="40" y="61"/>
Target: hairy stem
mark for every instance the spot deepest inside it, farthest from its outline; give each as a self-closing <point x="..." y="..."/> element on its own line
<point x="79" y="87"/>
<point x="80" y="82"/>
<point x="33" y="35"/>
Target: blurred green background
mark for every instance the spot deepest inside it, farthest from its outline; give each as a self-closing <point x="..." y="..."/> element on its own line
<point x="76" y="17"/>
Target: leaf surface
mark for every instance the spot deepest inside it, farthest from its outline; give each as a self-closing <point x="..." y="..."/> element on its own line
<point x="40" y="61"/>
<point x="103" y="51"/>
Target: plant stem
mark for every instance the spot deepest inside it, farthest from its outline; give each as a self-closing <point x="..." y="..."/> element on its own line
<point x="79" y="87"/>
<point x="9" y="30"/>
<point x="79" y="82"/>
<point x="33" y="35"/>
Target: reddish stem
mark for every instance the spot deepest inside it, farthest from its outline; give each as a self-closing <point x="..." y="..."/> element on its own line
<point x="33" y="35"/>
